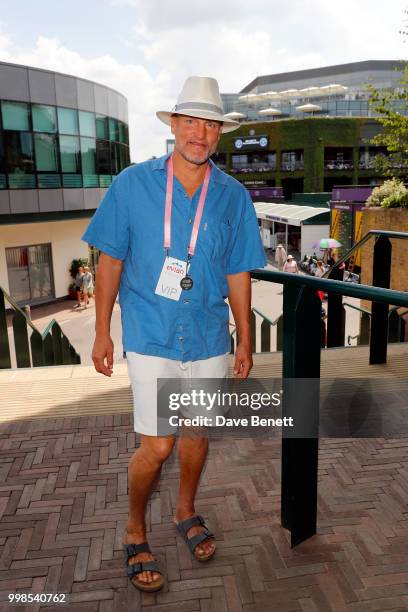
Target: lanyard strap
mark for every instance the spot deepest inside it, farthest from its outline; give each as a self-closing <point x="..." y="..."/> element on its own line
<point x="199" y="212"/>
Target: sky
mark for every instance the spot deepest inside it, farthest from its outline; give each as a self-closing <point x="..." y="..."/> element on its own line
<point x="146" y="48"/>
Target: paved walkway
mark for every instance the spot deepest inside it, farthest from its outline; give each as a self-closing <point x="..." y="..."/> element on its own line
<point x="65" y="443"/>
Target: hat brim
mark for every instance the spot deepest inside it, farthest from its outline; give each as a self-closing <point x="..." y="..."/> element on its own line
<point x="228" y="125"/>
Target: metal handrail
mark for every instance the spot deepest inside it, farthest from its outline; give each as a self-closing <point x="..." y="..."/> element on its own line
<point x="363" y="292"/>
<point x="362" y="241"/>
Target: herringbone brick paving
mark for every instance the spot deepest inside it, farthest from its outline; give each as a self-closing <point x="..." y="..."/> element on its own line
<point x="63" y="505"/>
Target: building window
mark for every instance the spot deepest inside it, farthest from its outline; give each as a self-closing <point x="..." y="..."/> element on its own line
<point x="19" y="159"/>
<point x="87" y="124"/>
<point x="68" y="121"/>
<point x="338" y="158"/>
<point x="15" y="115"/>
<point x="30" y="273"/>
<point x="102" y="127"/>
<point x="113" y="129"/>
<point x="88" y="158"/>
<point x="292" y="160"/>
<point x="46" y="158"/>
<point x="44" y="118"/>
<point x="70" y="161"/>
<point x="103" y="160"/>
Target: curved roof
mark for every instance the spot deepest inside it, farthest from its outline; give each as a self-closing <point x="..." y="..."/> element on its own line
<point x="287" y="213"/>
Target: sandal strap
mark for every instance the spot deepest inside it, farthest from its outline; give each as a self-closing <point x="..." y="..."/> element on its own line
<point x="195" y="540"/>
<point x="144" y="566"/>
<point x="131" y="550"/>
<point x="184" y="526"/>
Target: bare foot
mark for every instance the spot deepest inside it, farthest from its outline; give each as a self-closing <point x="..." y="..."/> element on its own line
<point x="206" y="547"/>
<point x="144" y="577"/>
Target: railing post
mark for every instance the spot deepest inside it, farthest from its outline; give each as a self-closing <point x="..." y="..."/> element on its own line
<point x="365" y="324"/>
<point x="21" y="343"/>
<point x="265" y="336"/>
<point x="336" y="316"/>
<point x="396" y="327"/>
<point x="37" y="350"/>
<point x="279" y="334"/>
<point x="253" y="331"/>
<point x="5" y="359"/>
<point x="301" y="359"/>
<point x="379" y="311"/>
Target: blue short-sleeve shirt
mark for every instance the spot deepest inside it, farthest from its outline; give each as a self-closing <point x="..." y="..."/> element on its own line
<point x="129" y="225"/>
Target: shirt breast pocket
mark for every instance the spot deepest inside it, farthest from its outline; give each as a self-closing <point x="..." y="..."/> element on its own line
<point x="217" y="240"/>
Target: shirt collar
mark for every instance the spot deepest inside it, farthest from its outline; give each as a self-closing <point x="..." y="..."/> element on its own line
<point x="216" y="174"/>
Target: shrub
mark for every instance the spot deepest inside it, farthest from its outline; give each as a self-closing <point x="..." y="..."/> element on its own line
<point x="389" y="189"/>
<point x="396" y="200"/>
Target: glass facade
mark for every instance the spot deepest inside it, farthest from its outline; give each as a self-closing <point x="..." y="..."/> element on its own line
<point x="50" y="147"/>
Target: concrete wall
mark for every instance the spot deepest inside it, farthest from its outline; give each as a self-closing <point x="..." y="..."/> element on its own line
<point x="66" y="245"/>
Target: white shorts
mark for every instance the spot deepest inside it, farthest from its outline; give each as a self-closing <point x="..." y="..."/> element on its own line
<point x="144" y="370"/>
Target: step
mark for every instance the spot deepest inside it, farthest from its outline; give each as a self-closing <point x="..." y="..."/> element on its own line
<point x="68" y="391"/>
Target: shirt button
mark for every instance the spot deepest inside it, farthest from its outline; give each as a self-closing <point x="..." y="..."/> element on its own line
<point x="190" y="220"/>
<point x="181" y="338"/>
<point x="186" y="301"/>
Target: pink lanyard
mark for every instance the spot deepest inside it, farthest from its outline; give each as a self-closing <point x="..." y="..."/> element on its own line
<point x="199" y="212"/>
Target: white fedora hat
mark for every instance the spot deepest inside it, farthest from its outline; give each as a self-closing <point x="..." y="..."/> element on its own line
<point x="200" y="97"/>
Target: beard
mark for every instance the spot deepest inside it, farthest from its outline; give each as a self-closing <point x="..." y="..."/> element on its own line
<point x="194" y="160"/>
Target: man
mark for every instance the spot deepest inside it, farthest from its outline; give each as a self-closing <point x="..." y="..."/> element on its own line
<point x="179" y="236"/>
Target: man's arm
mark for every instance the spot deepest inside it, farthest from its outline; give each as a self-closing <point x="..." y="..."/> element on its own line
<point x="106" y="290"/>
<point x="239" y="296"/>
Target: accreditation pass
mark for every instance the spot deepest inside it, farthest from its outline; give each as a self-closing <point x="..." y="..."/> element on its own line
<point x="168" y="285"/>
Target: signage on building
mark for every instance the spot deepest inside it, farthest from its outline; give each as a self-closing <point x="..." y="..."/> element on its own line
<point x="255" y="142"/>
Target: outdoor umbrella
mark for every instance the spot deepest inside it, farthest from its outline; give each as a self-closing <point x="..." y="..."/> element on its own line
<point x="327" y="243"/>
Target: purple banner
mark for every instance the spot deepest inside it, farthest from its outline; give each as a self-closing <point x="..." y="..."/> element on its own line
<point x="351" y="194"/>
<point x="267" y="192"/>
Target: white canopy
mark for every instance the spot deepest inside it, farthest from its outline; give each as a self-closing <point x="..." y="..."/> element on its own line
<point x="290" y="214"/>
<point x="235" y="115"/>
<point x="309" y="108"/>
<point x="270" y="112"/>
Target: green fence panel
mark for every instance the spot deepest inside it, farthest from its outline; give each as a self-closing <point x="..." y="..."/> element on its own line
<point x="253" y="331"/>
<point x="57" y="343"/>
<point x="37" y="353"/>
<point x="5" y="359"/>
<point x="365" y="323"/>
<point x="279" y="334"/>
<point x="66" y="351"/>
<point x="21" y="342"/>
<point x="265" y="336"/>
<point x="48" y="350"/>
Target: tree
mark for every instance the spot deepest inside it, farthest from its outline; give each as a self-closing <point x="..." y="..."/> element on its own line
<point x="390" y="105"/>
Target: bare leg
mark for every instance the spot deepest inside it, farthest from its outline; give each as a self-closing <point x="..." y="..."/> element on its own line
<point x="144" y="471"/>
<point x="78" y="298"/>
<point x="192" y="451"/>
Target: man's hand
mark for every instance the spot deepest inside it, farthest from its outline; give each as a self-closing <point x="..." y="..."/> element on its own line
<point x="103" y="349"/>
<point x="243" y="361"/>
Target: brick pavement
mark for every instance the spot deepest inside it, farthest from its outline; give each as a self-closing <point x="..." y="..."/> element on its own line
<point x="63" y="504"/>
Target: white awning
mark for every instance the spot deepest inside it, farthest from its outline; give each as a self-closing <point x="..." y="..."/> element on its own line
<point x="235" y="115"/>
<point x="309" y="108"/>
<point x="287" y="213"/>
<point x="270" y="111"/>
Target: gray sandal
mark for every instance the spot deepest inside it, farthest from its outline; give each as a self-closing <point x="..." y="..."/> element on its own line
<point x="195" y="540"/>
<point x="131" y="550"/>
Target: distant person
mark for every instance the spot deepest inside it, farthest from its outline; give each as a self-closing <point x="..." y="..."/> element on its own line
<point x="87" y="285"/>
<point x="319" y="270"/>
<point x="280" y="256"/>
<point x="291" y="265"/>
<point x="78" y="286"/>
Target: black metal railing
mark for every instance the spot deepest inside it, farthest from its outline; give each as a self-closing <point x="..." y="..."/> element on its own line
<point x="265" y="333"/>
<point x="51" y="347"/>
<point x="301" y="360"/>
